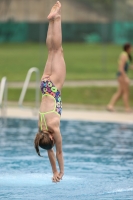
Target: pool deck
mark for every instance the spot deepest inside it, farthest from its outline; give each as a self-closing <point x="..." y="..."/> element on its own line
<point x="72" y="114"/>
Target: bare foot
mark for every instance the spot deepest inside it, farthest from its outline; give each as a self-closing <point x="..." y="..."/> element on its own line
<point x="110" y="108"/>
<point x="55" y="11"/>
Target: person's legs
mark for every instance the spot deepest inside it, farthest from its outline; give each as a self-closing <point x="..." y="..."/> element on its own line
<point x="49" y="38"/>
<point x="126" y="96"/>
<point x="115" y="98"/>
<point x="49" y="43"/>
<point x="58" y="63"/>
<point x="57" y="32"/>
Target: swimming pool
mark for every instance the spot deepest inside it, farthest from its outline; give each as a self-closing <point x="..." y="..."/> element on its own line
<point x="98" y="162"/>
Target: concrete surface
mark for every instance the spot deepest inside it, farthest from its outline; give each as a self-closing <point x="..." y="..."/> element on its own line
<point x="71" y="114"/>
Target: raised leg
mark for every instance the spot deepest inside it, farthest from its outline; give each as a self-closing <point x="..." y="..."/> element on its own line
<point x="55" y="67"/>
<point x="49" y="39"/>
<point x="49" y="43"/>
<point x="58" y="63"/>
<point x="57" y="34"/>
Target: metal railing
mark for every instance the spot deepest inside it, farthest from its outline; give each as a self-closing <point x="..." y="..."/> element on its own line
<point x="25" y="86"/>
<point x="3" y="99"/>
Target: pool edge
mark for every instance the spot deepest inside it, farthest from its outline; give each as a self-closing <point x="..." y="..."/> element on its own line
<point x="82" y="115"/>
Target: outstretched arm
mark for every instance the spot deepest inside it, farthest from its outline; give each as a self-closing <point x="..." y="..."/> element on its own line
<point x="52" y="159"/>
<point x="59" y="153"/>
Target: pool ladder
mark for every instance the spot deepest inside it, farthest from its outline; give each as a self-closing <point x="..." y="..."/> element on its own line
<point x="25" y="86"/>
<point x="3" y="101"/>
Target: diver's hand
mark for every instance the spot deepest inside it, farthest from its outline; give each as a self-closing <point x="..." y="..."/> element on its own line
<point x="61" y="174"/>
<point x="56" y="177"/>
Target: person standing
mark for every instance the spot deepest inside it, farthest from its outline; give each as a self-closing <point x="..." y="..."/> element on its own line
<point x="124" y="63"/>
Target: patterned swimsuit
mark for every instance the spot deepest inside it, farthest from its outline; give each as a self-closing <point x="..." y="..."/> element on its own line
<point x="49" y="89"/>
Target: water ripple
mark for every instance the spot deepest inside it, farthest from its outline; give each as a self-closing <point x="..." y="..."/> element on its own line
<point x="98" y="162"/>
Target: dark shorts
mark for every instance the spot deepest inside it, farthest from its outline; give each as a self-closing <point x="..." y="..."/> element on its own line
<point x="118" y="74"/>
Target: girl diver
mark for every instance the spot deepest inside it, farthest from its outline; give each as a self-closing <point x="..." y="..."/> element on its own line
<point x="51" y="106"/>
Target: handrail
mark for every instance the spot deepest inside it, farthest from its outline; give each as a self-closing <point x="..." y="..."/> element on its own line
<point x="25" y="86"/>
<point x="3" y="96"/>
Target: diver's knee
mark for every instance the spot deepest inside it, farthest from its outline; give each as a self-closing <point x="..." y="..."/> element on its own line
<point x="58" y="50"/>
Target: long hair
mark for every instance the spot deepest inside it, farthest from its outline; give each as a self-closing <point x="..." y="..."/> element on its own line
<point x="42" y="139"/>
<point x="125" y="48"/>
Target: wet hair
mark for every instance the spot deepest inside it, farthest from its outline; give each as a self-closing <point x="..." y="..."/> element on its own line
<point x="42" y="139"/>
<point x="125" y="48"/>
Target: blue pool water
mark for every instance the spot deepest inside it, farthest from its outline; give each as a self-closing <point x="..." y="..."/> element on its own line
<point x="98" y="162"/>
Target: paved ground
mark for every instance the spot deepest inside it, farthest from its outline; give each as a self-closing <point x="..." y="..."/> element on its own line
<point x="71" y="83"/>
<point x="71" y="114"/>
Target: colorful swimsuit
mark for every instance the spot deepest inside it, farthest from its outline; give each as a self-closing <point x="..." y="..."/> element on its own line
<point x="49" y="89"/>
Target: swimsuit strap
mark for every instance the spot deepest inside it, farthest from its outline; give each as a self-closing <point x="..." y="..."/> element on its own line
<point x="43" y="117"/>
<point x="54" y="101"/>
<point x="52" y="111"/>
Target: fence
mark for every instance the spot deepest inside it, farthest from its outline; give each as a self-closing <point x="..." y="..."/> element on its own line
<point x="83" y="20"/>
<point x="117" y="32"/>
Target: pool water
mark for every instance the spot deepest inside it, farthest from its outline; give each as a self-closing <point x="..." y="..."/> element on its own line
<point x="98" y="162"/>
